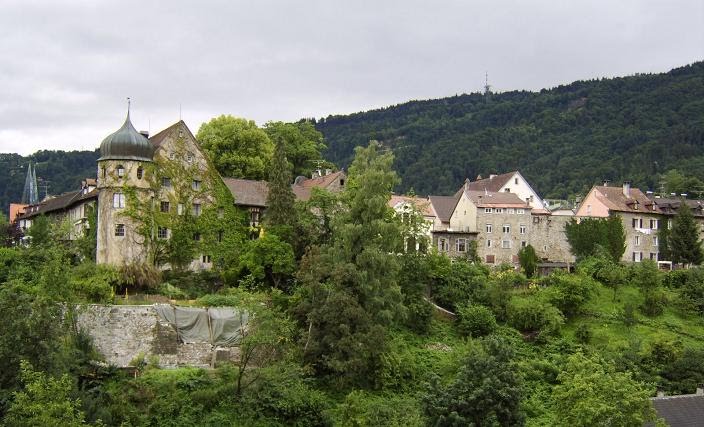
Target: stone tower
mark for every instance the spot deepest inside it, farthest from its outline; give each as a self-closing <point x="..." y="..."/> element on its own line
<point x="124" y="177"/>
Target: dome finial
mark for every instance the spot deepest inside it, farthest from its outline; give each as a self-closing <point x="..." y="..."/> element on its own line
<point x="128" y="106"/>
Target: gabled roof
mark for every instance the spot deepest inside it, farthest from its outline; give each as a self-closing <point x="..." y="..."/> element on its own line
<point x="248" y="192"/>
<point x="493" y="183"/>
<point x="322" y="181"/>
<point x="680" y="411"/>
<point x="423" y="205"/>
<point x="444" y="206"/>
<point x="615" y="200"/>
<point x="670" y="206"/>
<point x="60" y="202"/>
<point x="496" y="199"/>
<point x="159" y="137"/>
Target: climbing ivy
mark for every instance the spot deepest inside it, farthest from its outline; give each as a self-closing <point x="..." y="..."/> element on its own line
<point x="200" y="216"/>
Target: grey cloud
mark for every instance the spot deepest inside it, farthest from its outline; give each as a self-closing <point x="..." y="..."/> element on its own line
<point x="66" y="67"/>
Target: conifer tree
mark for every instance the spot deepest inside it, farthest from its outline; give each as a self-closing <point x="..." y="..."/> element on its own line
<point x="684" y="243"/>
<point x="280" y="200"/>
<point x="351" y="292"/>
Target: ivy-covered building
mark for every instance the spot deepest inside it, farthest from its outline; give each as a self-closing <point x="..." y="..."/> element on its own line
<point x="161" y="201"/>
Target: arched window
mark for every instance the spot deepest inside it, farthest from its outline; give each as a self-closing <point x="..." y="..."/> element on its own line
<point x="120" y="170"/>
<point x="140" y="172"/>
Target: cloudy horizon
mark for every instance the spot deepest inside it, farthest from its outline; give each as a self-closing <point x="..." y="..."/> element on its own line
<point x="67" y="68"/>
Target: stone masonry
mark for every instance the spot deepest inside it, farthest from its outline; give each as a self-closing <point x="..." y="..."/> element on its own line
<point x="121" y="333"/>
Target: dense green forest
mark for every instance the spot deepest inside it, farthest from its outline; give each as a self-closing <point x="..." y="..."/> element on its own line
<point x="61" y="171"/>
<point x="563" y="139"/>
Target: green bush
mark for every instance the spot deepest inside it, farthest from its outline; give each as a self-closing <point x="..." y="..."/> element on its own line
<point x="533" y="317"/>
<point x="362" y="408"/>
<point x="94" y="283"/>
<point x="455" y="282"/>
<point x="569" y="292"/>
<point x="690" y="287"/>
<point x="654" y="302"/>
<point x="583" y="334"/>
<point x="500" y="290"/>
<point x="475" y="320"/>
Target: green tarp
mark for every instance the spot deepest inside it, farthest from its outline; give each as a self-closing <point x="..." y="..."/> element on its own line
<point x="219" y="326"/>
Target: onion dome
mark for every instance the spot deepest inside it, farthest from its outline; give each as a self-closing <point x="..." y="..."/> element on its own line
<point x="126" y="144"/>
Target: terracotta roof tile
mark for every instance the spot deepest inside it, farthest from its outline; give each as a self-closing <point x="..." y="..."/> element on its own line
<point x="322" y="181"/>
<point x="614" y="199"/>
<point x="496" y="199"/>
<point x="443" y="206"/>
<point x="491" y="184"/>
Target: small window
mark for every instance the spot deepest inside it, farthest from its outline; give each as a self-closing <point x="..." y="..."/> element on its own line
<point x="342" y="182"/>
<point x="163" y="233"/>
<point x="524" y="243"/>
<point x="206" y="259"/>
<point x="443" y="245"/>
<point x="510" y="211"/>
<point x="488" y="243"/>
<point x="654" y="225"/>
<point x="506" y="244"/>
<point x="165" y="182"/>
<point x="637" y="256"/>
<point x="636" y="240"/>
<point x="140" y="172"/>
<point x="522" y="229"/>
<point x="536" y="220"/>
<point x="254" y="217"/>
<point x="520" y="211"/>
<point x="179" y="209"/>
<point x="189" y="157"/>
<point x="196" y="209"/>
<point x="487" y="210"/>
<point x="196" y="237"/>
<point x="461" y="245"/>
<point x="195" y="185"/>
<point x="104" y="172"/>
<point x="118" y="200"/>
<point x="499" y="210"/>
<point x="172" y="155"/>
<point x="506" y="228"/>
<point x="515" y="181"/>
<point x="120" y="171"/>
<point x="165" y="206"/>
<point x="489" y="228"/>
<point x="508" y="190"/>
<point x="220" y="235"/>
<point x="490" y="259"/>
<point x="655" y="240"/>
<point x="654" y="256"/>
<point x="119" y="230"/>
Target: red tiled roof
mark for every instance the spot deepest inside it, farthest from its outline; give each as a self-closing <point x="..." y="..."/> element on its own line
<point x="491" y="184"/>
<point x="496" y="199"/>
<point x="614" y="199"/>
<point x="60" y="202"/>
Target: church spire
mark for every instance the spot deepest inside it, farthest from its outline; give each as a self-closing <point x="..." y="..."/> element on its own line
<point x="30" y="195"/>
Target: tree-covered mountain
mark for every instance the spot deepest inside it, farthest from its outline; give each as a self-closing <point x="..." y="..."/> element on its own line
<point x="57" y="172"/>
<point x="563" y="140"/>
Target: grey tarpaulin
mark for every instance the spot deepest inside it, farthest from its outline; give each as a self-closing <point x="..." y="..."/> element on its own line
<point x="218" y="326"/>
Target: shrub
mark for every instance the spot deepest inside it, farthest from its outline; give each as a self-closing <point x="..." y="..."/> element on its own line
<point x="628" y="316"/>
<point x="452" y="283"/>
<point x="583" y="334"/>
<point x="362" y="408"/>
<point x="475" y="320"/>
<point x="654" y="302"/>
<point x="501" y="285"/>
<point x="690" y="286"/>
<point x="536" y="318"/>
<point x="140" y="275"/>
<point x="569" y="292"/>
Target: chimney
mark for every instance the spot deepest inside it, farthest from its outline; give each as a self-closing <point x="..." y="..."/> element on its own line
<point x="317" y="174"/>
<point x="466" y="184"/>
<point x="527" y="201"/>
<point x="627" y="189"/>
<point x="144" y="133"/>
<point x="605" y="183"/>
<point x="700" y="389"/>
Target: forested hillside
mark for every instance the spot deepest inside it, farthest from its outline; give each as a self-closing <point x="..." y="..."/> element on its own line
<point x="563" y="139"/>
<point x="61" y="170"/>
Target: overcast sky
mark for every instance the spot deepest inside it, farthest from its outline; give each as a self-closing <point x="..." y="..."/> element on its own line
<point x="67" y="67"/>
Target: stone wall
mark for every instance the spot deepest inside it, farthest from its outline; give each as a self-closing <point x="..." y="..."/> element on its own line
<point x="548" y="238"/>
<point x="121" y="333"/>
